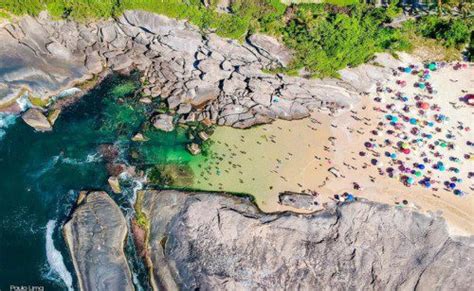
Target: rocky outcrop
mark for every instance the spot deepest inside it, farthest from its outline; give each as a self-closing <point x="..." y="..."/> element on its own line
<point x="164" y="122"/>
<point x="300" y="201"/>
<point x="209" y="241"/>
<point x="95" y="236"/>
<point x="33" y="60"/>
<point x="201" y="77"/>
<point x="271" y="47"/>
<point x="36" y="119"/>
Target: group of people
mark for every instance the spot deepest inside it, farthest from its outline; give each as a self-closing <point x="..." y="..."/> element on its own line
<point x="416" y="142"/>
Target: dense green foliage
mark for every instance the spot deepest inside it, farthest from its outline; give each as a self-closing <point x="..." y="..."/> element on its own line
<point x="324" y="37"/>
<point x="234" y="25"/>
<point x="452" y="32"/>
<point x="77" y="9"/>
<point x="470" y="49"/>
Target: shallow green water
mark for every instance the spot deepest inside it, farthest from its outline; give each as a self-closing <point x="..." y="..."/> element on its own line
<point x="41" y="174"/>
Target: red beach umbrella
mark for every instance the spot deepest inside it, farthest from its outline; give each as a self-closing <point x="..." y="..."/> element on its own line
<point x="469" y="99"/>
<point x="424" y="105"/>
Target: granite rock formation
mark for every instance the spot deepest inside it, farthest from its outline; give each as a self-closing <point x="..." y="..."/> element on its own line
<point x="210" y="241"/>
<point x="95" y="236"/>
<point x="201" y="76"/>
<point x="37" y="120"/>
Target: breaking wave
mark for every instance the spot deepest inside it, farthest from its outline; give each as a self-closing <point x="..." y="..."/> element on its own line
<point x="6" y="120"/>
<point x="58" y="269"/>
<point x="23" y="102"/>
<point x="91" y="158"/>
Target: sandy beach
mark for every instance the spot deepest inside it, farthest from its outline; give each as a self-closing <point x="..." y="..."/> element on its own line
<point x="298" y="155"/>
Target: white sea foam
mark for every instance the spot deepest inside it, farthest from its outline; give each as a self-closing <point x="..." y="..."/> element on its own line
<point x="91" y="158"/>
<point x="55" y="259"/>
<point x="6" y="119"/>
<point x="66" y="93"/>
<point x="24" y="102"/>
<point x="45" y="167"/>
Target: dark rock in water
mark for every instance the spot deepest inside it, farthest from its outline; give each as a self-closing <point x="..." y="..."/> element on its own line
<point x="299" y="201"/>
<point x="109" y="152"/>
<point x="95" y="236"/>
<point x="208" y="241"/>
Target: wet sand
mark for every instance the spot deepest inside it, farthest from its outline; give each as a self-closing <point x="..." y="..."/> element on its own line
<point x="297" y="155"/>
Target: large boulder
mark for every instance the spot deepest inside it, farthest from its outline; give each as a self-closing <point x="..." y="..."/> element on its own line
<point x="271" y="47"/>
<point x="95" y="235"/>
<point x="36" y="119"/>
<point x="164" y="122"/>
<point x="207" y="241"/>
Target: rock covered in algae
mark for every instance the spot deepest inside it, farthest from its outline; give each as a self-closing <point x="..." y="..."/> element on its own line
<point x="95" y="235"/>
<point x="114" y="183"/>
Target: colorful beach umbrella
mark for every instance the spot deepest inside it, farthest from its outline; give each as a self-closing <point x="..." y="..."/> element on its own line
<point x="424" y="105"/>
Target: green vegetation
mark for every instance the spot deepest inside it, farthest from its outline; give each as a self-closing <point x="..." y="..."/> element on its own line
<point x="81" y="9"/>
<point x="452" y="32"/>
<point x="140" y="217"/>
<point x="226" y="25"/>
<point x="341" y="2"/>
<point x="4" y="15"/>
<point x="470" y="49"/>
<point x="124" y="89"/>
<point x="324" y="37"/>
<point x="37" y="101"/>
<point x="171" y="175"/>
<point x="446" y="36"/>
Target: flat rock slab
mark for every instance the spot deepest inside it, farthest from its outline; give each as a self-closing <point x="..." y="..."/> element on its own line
<point x="36" y="119"/>
<point x="299" y="201"/>
<point x="95" y="236"/>
<point x="208" y="241"/>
